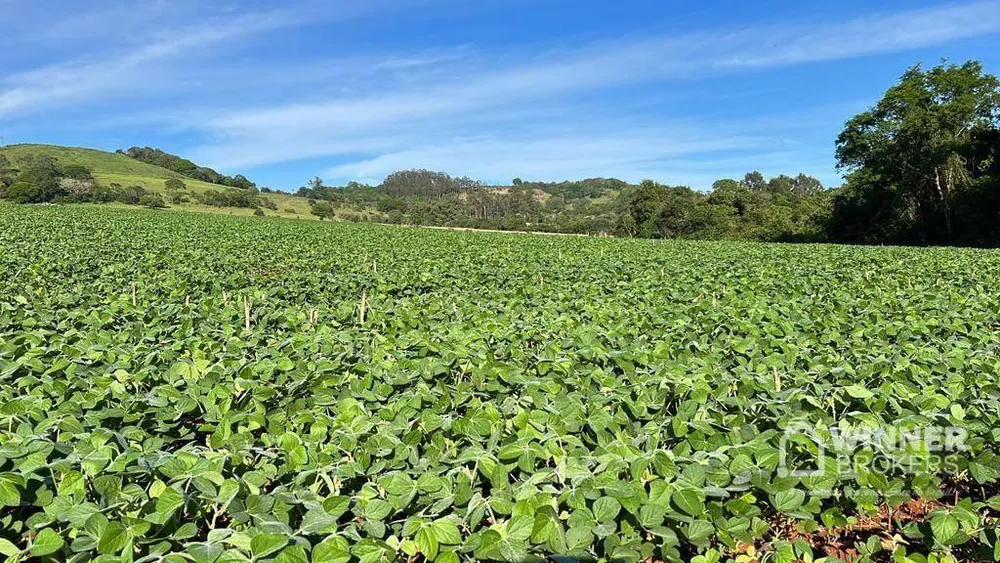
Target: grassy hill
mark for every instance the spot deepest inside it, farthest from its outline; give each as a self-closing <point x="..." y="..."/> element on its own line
<point x="107" y="163"/>
<point x="109" y="167"/>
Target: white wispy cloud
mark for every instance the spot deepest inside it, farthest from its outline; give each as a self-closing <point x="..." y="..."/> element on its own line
<point x="369" y="121"/>
<point x="487" y="112"/>
<point x="141" y="64"/>
<point x="628" y="61"/>
<point x="863" y="36"/>
<point x="76" y="81"/>
<point x="686" y="151"/>
<point x="626" y="154"/>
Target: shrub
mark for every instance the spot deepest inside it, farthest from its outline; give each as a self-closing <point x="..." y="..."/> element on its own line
<point x="323" y="210"/>
<point x="247" y="199"/>
<point x="104" y="194"/>
<point x="77" y="172"/>
<point x="175" y="184"/>
<point x="153" y="200"/>
<point x="131" y="195"/>
<point x="76" y="189"/>
<point x="23" y="192"/>
<point x="258" y="212"/>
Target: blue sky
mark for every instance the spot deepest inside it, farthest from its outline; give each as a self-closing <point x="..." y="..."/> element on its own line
<point x="683" y="92"/>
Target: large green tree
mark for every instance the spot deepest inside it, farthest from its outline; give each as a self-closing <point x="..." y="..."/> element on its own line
<point x="916" y="158"/>
<point x="44" y="173"/>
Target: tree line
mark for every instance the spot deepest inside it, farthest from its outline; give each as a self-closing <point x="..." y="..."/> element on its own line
<point x="922" y="166"/>
<point x="782" y="208"/>
<point x="185" y="167"/>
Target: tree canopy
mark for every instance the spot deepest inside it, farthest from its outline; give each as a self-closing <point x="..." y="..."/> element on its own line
<point x="425" y="183"/>
<point x="922" y="164"/>
<point x="780" y="208"/>
<point x="186" y="167"/>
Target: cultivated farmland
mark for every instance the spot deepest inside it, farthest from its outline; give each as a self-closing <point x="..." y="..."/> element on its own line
<point x="180" y="387"/>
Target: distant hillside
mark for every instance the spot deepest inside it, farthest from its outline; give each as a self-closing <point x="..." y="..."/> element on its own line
<point x="185" y="167"/>
<point x="99" y="162"/>
<point x="119" y="172"/>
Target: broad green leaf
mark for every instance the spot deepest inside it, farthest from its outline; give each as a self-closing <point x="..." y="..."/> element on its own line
<point x="265" y="544"/>
<point x="114" y="539"/>
<point x="606" y="509"/>
<point x="689" y="500"/>
<point x="400" y="484"/>
<point x="427" y="542"/>
<point x="8" y="549"/>
<point x="787" y="501"/>
<point x="333" y="549"/>
<point x="546" y="527"/>
<point x="46" y="542"/>
<point x="944" y="526"/>
<point x="318" y="521"/>
<point x="9" y="495"/>
<point x="859" y="392"/>
<point x="446" y="532"/>
<point x="292" y="554"/>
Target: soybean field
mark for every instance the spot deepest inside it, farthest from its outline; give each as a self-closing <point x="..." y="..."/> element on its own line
<point x="179" y="388"/>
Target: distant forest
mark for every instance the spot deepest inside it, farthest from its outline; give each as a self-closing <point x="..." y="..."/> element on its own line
<point x="781" y="208"/>
<point x="922" y="166"/>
